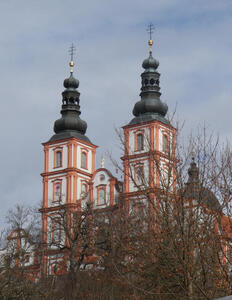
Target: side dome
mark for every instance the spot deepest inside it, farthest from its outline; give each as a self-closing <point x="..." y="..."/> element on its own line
<point x="194" y="189"/>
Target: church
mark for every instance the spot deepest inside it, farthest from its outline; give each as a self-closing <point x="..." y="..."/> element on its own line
<point x="70" y="177"/>
<point x="71" y="182"/>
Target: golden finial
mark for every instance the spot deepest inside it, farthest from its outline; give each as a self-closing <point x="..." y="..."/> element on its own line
<point x="71" y="63"/>
<point x="102" y="161"/>
<point x="150" y="31"/>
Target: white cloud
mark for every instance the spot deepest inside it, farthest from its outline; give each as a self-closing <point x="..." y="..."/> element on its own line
<point x="192" y="43"/>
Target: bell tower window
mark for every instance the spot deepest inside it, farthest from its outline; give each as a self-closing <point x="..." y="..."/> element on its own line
<point x="84" y="189"/>
<point x="57" y="191"/>
<point x="58" y="159"/>
<point x="56" y="229"/>
<point x="139" y="175"/>
<point x="139" y="142"/>
<point x="165" y="144"/>
<point x="84" y="160"/>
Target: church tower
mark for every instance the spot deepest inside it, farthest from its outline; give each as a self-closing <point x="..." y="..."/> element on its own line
<point x="150" y="139"/>
<point x="69" y="163"/>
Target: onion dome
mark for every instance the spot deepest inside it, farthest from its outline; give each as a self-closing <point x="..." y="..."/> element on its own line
<point x="150" y="107"/>
<point x="70" y="124"/>
<point x="150" y="63"/>
<point x="195" y="190"/>
<point x="71" y="82"/>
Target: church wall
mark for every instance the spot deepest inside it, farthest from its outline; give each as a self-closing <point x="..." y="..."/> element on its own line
<point x="16" y="242"/>
<point x="87" y="150"/>
<point x="132" y="139"/>
<point x="96" y="197"/>
<point x="103" y="180"/>
<point x="64" y="149"/>
<point x="80" y="183"/>
<point x="167" y="132"/>
<point x="81" y="179"/>
<point x="166" y="174"/>
<point x="137" y="202"/>
<point x="60" y="178"/>
<point x="133" y="165"/>
<point x="71" y="189"/>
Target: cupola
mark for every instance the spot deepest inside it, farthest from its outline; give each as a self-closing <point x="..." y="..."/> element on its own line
<point x="70" y="124"/>
<point x="150" y="107"/>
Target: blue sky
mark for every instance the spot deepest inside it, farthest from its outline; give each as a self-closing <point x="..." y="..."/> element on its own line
<point x="192" y="42"/>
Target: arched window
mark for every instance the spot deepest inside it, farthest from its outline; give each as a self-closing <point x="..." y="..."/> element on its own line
<point x="139" y="140"/>
<point x="84" y="190"/>
<point x="165" y="178"/>
<point x="58" y="159"/>
<point x="139" y="175"/>
<point x="84" y="160"/>
<point x="57" y="191"/>
<point x="56" y="229"/>
<point x="165" y="144"/>
<point x="101" y="196"/>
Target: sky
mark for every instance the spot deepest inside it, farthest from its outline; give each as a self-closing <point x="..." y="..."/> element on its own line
<point x="192" y="41"/>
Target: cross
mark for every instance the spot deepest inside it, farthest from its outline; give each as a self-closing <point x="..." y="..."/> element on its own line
<point x="71" y="51"/>
<point x="150" y="30"/>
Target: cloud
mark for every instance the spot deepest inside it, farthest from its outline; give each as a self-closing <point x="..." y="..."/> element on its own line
<point x="192" y="43"/>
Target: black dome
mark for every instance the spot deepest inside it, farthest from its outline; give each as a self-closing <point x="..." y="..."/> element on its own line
<point x="70" y="124"/>
<point x="150" y="62"/>
<point x="195" y="190"/>
<point x="71" y="82"/>
<point x="150" y="107"/>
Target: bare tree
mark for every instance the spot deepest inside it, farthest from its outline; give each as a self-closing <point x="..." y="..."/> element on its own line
<point x="178" y="240"/>
<point x="19" y="266"/>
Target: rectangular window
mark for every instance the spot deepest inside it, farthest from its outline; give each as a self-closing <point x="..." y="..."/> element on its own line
<point x="84" y="189"/>
<point x="58" y="159"/>
<point x="139" y="140"/>
<point x="165" y="144"/>
<point x="57" y="191"/>
<point x="139" y="175"/>
<point x="101" y="196"/>
<point x="165" y="178"/>
<point x="56" y="230"/>
<point x="84" y="160"/>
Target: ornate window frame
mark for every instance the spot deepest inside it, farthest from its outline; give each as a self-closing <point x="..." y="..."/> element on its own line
<point x="137" y="181"/>
<point x="58" y="150"/>
<point x="56" y="220"/>
<point x="165" y="143"/>
<point x="84" y="151"/>
<point x="55" y="183"/>
<point x="137" y="133"/>
<point x="84" y="193"/>
<point x="100" y="188"/>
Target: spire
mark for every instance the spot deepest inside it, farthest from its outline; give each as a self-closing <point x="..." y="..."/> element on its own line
<point x="150" y="107"/>
<point x="71" y="63"/>
<point x="150" y="31"/>
<point x="70" y="124"/>
<point x="193" y="172"/>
